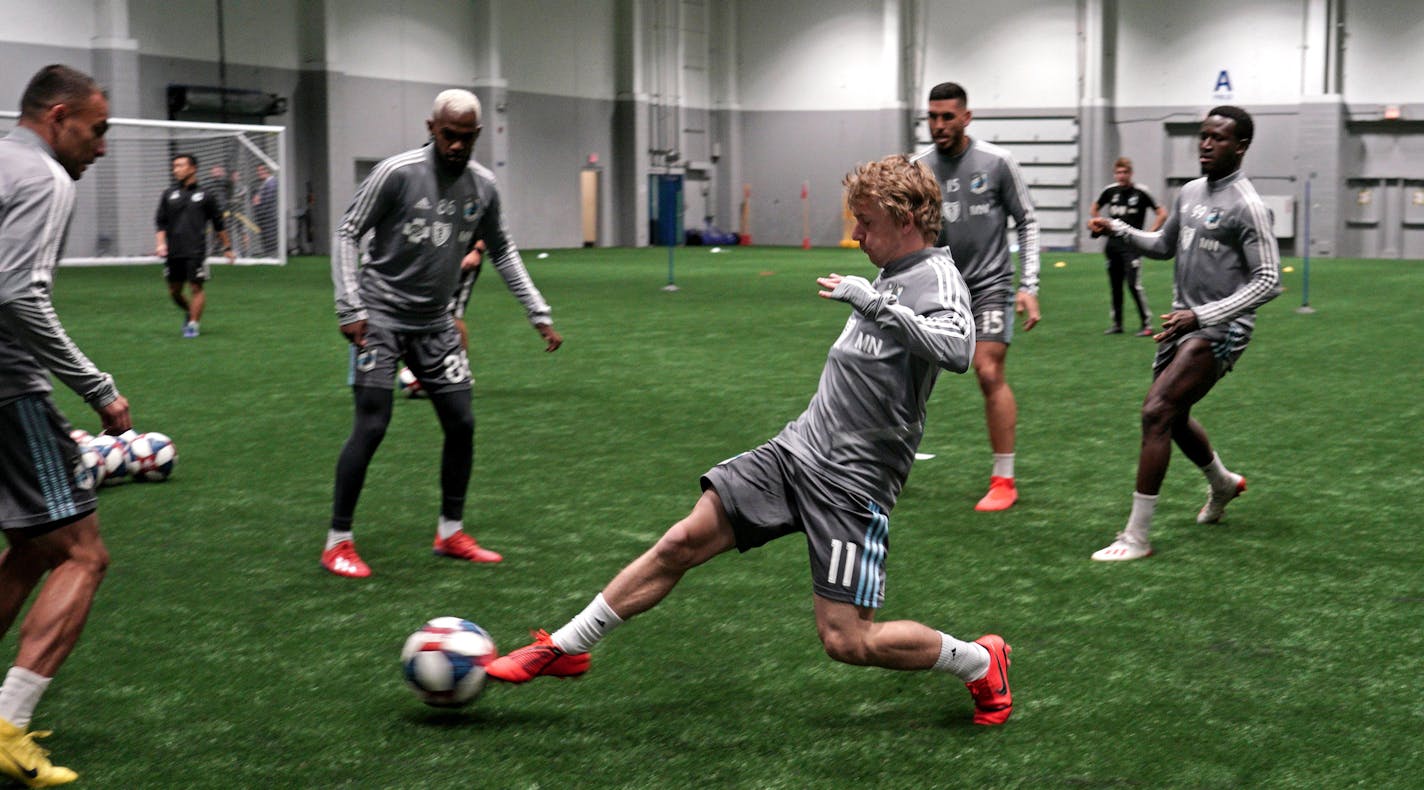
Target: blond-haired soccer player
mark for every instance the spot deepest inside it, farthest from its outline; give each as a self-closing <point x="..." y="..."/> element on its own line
<point x="48" y="510"/>
<point x="833" y="473"/>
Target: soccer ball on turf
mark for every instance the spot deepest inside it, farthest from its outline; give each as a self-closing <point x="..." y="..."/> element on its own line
<point x="81" y="437"/>
<point x="151" y="457"/>
<point x="409" y="384"/>
<point x="89" y="472"/>
<point x="113" y="451"/>
<point x="444" y="662"/>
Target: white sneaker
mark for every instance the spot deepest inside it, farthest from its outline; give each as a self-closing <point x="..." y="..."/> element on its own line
<point x="1123" y="549"/>
<point x="1216" y="500"/>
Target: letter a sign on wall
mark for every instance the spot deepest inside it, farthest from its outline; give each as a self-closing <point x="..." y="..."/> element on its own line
<point x="1222" y="88"/>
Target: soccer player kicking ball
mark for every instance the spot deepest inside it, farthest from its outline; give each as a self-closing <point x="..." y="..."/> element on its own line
<point x="1227" y="265"/>
<point x="48" y="511"/>
<point x="834" y="473"/>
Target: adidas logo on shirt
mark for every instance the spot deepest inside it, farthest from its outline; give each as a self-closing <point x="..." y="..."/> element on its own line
<point x="423" y="205"/>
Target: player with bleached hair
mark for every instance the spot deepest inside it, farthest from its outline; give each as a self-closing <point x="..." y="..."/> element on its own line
<point x="424" y="211"/>
<point x="1228" y="264"/>
<point x="835" y="472"/>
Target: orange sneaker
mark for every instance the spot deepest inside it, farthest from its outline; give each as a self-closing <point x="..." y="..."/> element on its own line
<point x="343" y="560"/>
<point x="540" y="658"/>
<point x="463" y="547"/>
<point x="992" y="700"/>
<point x="1002" y="495"/>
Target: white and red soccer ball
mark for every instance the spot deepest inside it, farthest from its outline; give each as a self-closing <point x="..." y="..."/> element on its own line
<point x="444" y="661"/>
<point x="151" y="457"/>
<point x="109" y="460"/>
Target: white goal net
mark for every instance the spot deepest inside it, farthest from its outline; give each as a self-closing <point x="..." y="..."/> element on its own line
<point x="118" y="195"/>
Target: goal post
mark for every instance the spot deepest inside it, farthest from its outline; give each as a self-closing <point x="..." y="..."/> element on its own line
<point x="118" y="196"/>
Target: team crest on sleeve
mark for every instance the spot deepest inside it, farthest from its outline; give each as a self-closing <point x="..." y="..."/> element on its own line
<point x="439" y="233"/>
<point x="978" y="183"/>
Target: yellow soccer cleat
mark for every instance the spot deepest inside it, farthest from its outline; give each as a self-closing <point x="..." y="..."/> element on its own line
<point x="24" y="761"/>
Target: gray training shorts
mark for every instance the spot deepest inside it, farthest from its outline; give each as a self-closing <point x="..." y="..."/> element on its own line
<point x="1228" y="342"/>
<point x="768" y="493"/>
<point x="993" y="316"/>
<point x="43" y="486"/>
<point x="436" y="358"/>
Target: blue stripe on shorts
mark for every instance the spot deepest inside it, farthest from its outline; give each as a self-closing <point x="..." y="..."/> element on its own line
<point x="872" y="558"/>
<point x="54" y="478"/>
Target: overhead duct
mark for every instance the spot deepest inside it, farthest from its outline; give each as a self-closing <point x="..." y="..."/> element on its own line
<point x="228" y="101"/>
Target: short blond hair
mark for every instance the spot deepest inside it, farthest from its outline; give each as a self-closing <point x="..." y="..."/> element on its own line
<point x="1123" y="161"/>
<point x="906" y="190"/>
<point x="456" y="101"/>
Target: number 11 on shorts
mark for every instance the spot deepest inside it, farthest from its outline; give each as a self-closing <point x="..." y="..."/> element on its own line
<point x="836" y="551"/>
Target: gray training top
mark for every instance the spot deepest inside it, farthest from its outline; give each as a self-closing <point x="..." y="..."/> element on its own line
<point x="981" y="188"/>
<point x="36" y="203"/>
<point x="424" y="223"/>
<point x="867" y="417"/>
<point x="1228" y="262"/>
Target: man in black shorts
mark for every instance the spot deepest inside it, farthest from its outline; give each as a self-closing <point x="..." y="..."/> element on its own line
<point x="47" y="505"/>
<point x="1129" y="202"/>
<point x="184" y="213"/>
<point x="835" y="472"/>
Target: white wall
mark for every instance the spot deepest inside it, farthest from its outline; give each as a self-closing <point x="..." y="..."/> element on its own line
<point x="255" y="32"/>
<point x="408" y="40"/>
<point x="60" y="23"/>
<point x="1006" y="53"/>
<point x="1384" y="55"/>
<point x="827" y="55"/>
<point x="557" y="47"/>
<point x="1171" y="53"/>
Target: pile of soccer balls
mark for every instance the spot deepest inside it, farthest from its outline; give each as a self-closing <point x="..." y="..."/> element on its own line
<point x="444" y="661"/>
<point x="110" y="460"/>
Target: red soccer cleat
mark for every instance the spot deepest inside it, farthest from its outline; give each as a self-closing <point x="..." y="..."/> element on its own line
<point x="539" y="658"/>
<point x="1002" y="495"/>
<point x="343" y="560"/>
<point x="992" y="700"/>
<point x="463" y="547"/>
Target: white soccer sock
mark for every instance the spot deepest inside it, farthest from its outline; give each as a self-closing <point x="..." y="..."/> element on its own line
<point x="20" y="694"/>
<point x="591" y="625"/>
<point x="1004" y="465"/>
<point x="335" y="536"/>
<point x="967" y="661"/>
<point x="447" y="527"/>
<point x="1139" y="522"/>
<point x="1216" y="473"/>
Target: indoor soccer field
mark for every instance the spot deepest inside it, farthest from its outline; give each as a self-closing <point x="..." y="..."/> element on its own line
<point x="1281" y="648"/>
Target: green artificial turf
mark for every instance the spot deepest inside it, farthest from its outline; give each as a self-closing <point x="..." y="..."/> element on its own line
<point x="1281" y="648"/>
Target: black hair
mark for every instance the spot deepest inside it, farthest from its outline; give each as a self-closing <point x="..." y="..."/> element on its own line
<point x="192" y="160"/>
<point x="56" y="84"/>
<point x="1245" y="127"/>
<point x="949" y="91"/>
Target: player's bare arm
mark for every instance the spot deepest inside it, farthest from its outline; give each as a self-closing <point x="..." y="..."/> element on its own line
<point x="355" y="332"/>
<point x="1175" y="324"/>
<point x="1026" y="305"/>
<point x="552" y="339"/>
